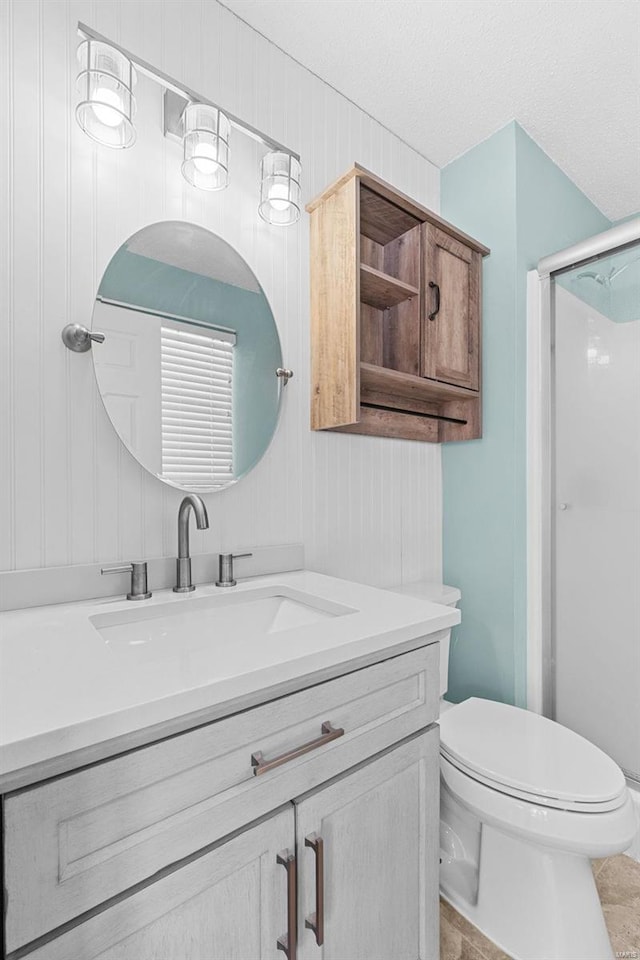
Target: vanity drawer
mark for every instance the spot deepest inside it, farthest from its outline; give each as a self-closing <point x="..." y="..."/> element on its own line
<point x="74" y="842"/>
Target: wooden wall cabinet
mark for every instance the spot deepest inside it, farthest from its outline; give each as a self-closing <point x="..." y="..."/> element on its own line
<point x="395" y="316"/>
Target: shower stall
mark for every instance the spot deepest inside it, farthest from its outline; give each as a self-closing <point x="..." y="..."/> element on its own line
<point x="584" y="492"/>
<point x="596" y="503"/>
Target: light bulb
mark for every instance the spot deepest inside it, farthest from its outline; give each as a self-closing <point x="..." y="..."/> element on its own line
<point x="206" y="146"/>
<point x="107" y="107"/>
<point x="279" y="188"/>
<point x="105" y="83"/>
<point x="278" y="196"/>
<point x="206" y="160"/>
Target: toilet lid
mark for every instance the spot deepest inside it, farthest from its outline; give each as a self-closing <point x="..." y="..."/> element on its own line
<point x="521" y="751"/>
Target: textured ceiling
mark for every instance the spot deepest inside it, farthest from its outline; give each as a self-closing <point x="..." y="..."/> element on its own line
<point x="445" y="74"/>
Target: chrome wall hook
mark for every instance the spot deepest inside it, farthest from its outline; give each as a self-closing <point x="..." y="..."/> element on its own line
<point x="284" y="374"/>
<point x="79" y="338"/>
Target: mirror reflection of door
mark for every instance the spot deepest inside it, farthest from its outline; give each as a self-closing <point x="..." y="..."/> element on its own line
<point x="187" y="372"/>
<point x="169" y="389"/>
<point x="128" y="366"/>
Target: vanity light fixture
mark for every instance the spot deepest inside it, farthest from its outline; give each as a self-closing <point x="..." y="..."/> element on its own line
<point x="280" y="188"/>
<point x="206" y="147"/>
<point x="105" y="83"/>
<point x="107" y="106"/>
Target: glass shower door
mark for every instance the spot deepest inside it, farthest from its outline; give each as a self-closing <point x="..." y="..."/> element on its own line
<point x="596" y="504"/>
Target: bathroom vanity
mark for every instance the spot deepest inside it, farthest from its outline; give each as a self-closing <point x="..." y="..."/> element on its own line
<point x="234" y="773"/>
<point x="223" y="776"/>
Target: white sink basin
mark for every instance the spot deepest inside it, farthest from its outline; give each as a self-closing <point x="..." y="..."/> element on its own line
<point x="191" y="623"/>
<point x="78" y="675"/>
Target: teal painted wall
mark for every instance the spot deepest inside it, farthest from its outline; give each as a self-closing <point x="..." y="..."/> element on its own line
<point x="511" y="196"/>
<point x="144" y="282"/>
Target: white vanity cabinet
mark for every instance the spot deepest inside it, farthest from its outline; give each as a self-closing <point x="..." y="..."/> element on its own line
<point x="371" y="897"/>
<point x="377" y="887"/>
<point x="229" y="904"/>
<point x="179" y="851"/>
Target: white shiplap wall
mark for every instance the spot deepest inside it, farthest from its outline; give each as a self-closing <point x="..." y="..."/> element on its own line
<point x="70" y="493"/>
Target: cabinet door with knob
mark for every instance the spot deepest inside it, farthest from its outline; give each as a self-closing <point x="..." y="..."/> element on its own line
<point x="368" y="860"/>
<point x="233" y="903"/>
<point x="451" y="326"/>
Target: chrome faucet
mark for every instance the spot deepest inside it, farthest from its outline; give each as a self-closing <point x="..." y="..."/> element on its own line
<point x="183" y="563"/>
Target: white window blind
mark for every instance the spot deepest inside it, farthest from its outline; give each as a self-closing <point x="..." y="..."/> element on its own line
<point x="197" y="406"/>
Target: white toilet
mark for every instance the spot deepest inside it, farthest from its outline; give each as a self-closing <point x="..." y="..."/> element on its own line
<point x="525" y="804"/>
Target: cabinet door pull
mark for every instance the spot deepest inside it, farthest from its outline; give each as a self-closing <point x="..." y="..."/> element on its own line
<point x="316" y="921"/>
<point x="329" y="733"/>
<point x="436" y="310"/>
<point x="287" y="943"/>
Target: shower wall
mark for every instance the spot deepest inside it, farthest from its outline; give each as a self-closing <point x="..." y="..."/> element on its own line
<point x="597" y="523"/>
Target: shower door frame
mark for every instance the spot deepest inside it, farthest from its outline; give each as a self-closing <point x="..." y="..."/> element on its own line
<point x="540" y="455"/>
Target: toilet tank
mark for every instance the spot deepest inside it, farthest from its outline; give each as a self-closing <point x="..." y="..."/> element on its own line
<point x="436" y="593"/>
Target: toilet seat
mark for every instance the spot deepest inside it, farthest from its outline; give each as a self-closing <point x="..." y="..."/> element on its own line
<point x="551" y="802"/>
<point x="532" y="758"/>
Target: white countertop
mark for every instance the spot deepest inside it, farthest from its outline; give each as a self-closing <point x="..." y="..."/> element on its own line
<point x="63" y="688"/>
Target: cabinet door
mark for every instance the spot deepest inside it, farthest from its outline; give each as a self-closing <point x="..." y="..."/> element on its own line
<point x="378" y="828"/>
<point x="229" y="904"/>
<point x="451" y="340"/>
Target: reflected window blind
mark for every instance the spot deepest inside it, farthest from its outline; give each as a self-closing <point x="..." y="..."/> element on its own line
<point x="197" y="406"/>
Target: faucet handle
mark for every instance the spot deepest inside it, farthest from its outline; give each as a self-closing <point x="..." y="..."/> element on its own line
<point x="225" y="568"/>
<point x="138" y="571"/>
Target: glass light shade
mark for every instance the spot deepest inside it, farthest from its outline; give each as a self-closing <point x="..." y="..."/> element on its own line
<point x="280" y="189"/>
<point x="206" y="147"/>
<point x="107" y="105"/>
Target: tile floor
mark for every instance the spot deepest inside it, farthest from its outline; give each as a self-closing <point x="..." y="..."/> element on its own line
<point x="618" y="883"/>
<point x="460" y="940"/>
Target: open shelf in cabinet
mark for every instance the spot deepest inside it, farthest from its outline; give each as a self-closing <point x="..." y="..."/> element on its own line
<point x="379" y="290"/>
<point x="382" y="220"/>
<point x="396" y="404"/>
<point x="384" y="380"/>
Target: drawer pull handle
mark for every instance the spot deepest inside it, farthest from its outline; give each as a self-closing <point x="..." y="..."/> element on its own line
<point x="287" y="943"/>
<point x="260" y="765"/>
<point x="316" y="921"/>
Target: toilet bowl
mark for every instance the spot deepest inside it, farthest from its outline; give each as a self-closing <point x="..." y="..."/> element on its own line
<point x="525" y="805"/>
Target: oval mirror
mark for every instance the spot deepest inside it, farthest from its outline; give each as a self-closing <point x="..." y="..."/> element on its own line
<point x="187" y="370"/>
